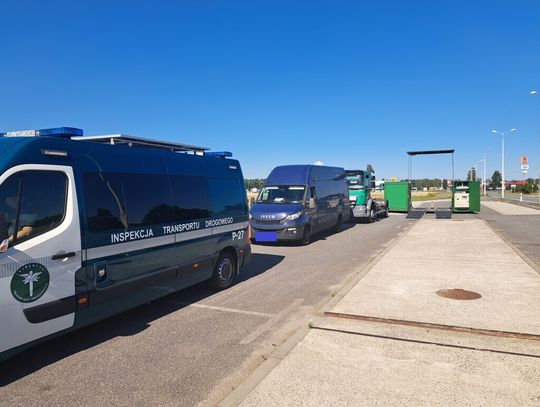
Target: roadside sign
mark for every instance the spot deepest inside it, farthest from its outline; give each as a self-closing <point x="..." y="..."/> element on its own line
<point x="524" y="161"/>
<point x="524" y="168"/>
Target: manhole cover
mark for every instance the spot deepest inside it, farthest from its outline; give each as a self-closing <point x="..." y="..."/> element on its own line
<point x="459" y="294"/>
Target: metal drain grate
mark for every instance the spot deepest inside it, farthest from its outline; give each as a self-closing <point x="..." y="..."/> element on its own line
<point x="458" y="294"/>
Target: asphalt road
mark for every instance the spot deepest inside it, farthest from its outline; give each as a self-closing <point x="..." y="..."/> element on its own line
<point x="533" y="198"/>
<point x="522" y="231"/>
<point x="195" y="346"/>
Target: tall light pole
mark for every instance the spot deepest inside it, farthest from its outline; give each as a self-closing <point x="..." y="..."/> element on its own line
<point x="535" y="93"/>
<point x="503" y="133"/>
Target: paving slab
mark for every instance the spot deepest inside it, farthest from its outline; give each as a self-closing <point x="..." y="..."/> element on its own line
<point x="336" y="369"/>
<point x="448" y="254"/>
<point x="505" y="208"/>
<point x="351" y="362"/>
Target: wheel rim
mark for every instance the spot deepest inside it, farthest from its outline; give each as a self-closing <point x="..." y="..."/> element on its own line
<point x="225" y="271"/>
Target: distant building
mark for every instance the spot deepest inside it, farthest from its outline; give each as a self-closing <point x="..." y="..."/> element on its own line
<point x="520" y="183"/>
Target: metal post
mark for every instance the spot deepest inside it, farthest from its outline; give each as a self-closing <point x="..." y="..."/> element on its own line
<point x="484" y="179"/>
<point x="452" y="169"/>
<point x="502" y="164"/>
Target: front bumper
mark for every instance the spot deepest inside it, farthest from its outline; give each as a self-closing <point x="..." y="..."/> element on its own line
<point x="283" y="234"/>
<point x="359" y="211"/>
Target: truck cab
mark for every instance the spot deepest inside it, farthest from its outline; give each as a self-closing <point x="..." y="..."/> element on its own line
<point x="360" y="183"/>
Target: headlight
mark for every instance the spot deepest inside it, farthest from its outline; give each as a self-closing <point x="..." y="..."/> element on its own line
<point x="250" y="216"/>
<point x="294" y="216"/>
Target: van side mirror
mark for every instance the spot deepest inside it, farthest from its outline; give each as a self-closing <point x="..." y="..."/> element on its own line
<point x="312" y="204"/>
<point x="372" y="184"/>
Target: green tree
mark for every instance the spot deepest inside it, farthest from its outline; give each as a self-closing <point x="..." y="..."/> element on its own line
<point x="254" y="183"/>
<point x="496" y="179"/>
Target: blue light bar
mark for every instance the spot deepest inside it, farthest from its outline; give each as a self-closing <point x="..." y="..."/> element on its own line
<point x="61" y="132"/>
<point x="56" y="132"/>
<point x="219" y="154"/>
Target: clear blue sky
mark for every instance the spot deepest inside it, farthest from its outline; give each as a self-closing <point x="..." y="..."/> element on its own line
<point x="282" y="82"/>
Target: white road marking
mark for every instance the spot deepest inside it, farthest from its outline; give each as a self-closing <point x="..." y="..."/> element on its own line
<point x="265" y="327"/>
<point x="222" y="309"/>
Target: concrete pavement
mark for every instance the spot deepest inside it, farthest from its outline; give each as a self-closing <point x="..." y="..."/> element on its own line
<point x="505" y="208"/>
<point x="391" y="339"/>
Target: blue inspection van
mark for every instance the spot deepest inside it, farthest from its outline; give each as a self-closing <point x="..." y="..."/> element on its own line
<point x="91" y="226"/>
<point x="298" y="201"/>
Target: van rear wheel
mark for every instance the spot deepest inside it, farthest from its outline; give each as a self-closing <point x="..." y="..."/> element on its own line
<point x="224" y="272"/>
<point x="339" y="224"/>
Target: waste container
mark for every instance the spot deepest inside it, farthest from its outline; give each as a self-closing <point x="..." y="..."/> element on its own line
<point x="466" y="196"/>
<point x="398" y="196"/>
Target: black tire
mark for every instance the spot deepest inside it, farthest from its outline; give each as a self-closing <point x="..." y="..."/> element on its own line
<point x="385" y="212"/>
<point x="339" y="224"/>
<point x="306" y="237"/>
<point x="224" y="272"/>
<point x="372" y="216"/>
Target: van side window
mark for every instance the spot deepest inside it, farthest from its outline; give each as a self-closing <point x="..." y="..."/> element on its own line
<point x="31" y="203"/>
<point x="227" y="195"/>
<point x="148" y="198"/>
<point x="190" y="197"/>
<point x="105" y="205"/>
<point x="119" y="201"/>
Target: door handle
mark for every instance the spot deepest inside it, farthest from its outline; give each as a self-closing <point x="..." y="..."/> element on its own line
<point x="62" y="255"/>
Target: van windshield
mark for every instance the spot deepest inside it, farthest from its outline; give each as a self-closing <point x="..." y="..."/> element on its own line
<point x="282" y="194"/>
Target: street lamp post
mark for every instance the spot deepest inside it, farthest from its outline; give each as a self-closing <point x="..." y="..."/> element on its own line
<point x="503" y="133"/>
<point x="535" y="93"/>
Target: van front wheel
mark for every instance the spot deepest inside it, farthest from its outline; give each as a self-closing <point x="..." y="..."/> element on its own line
<point x="224" y="272"/>
<point x="306" y="237"/>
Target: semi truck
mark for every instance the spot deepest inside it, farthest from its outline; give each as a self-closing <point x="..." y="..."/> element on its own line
<point x="363" y="206"/>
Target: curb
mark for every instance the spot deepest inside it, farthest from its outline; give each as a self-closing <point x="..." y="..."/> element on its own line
<point x="524" y="257"/>
<point x="247" y="386"/>
<point x="259" y="374"/>
<point x="360" y="274"/>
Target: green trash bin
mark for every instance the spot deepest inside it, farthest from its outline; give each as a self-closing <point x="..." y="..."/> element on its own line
<point x="398" y="196"/>
<point x="466" y="196"/>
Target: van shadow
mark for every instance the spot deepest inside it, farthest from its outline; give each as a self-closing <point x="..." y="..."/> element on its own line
<point x="128" y="323"/>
